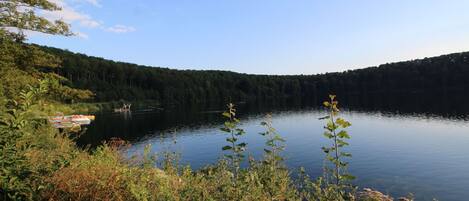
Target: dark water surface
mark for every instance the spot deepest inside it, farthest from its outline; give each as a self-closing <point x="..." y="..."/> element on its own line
<point x="396" y="153"/>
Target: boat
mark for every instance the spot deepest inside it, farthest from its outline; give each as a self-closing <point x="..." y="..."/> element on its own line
<point x="124" y="108"/>
<point x="71" y="120"/>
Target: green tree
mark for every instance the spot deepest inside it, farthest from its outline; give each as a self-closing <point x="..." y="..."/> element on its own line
<point x="22" y="15"/>
<point x="22" y="64"/>
<point x="27" y="83"/>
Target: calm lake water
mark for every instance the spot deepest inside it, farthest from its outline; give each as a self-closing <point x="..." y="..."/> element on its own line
<point x="427" y="155"/>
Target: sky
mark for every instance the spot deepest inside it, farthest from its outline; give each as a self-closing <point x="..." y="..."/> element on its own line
<point x="262" y="36"/>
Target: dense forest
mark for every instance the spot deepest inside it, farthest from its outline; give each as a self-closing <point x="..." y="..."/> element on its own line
<point x="443" y="75"/>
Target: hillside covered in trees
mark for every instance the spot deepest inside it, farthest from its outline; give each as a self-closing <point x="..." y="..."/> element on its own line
<point x="441" y="76"/>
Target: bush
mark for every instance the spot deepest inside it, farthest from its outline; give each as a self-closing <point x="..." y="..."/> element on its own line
<point x="104" y="175"/>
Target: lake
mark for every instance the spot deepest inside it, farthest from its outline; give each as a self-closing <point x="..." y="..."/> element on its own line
<point x="396" y="153"/>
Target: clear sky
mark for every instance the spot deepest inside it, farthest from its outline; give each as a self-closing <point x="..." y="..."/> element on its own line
<point x="263" y="36"/>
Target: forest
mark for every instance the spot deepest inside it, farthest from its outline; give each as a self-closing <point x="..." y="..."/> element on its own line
<point x="112" y="81"/>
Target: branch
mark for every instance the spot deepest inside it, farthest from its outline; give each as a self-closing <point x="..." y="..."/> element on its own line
<point x="42" y="4"/>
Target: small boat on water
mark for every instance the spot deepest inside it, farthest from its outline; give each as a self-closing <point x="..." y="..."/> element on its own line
<point x="70" y="120"/>
<point x="124" y="108"/>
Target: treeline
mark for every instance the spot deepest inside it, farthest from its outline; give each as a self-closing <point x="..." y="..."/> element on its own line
<point x="111" y="81"/>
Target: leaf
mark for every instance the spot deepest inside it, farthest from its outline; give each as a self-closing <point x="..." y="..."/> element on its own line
<point x="325" y="149"/>
<point x="330" y="126"/>
<point x="242" y="144"/>
<point x="231" y="139"/>
<point x="330" y="158"/>
<point x="347" y="177"/>
<point x="239" y="131"/>
<point x="325" y="103"/>
<point x="328" y="135"/>
<point x="229" y="125"/>
<point x="270" y="141"/>
<point x="226" y="148"/>
<point x="225" y="130"/>
<point x="341" y="143"/>
<point x="278" y="138"/>
<point x="345" y="154"/>
<point x="325" y="117"/>
<point x="343" y="123"/>
<point x="226" y="114"/>
<point x="278" y="158"/>
<point x="343" y="134"/>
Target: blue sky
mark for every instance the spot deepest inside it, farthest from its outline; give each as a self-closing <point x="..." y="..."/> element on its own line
<point x="263" y="36"/>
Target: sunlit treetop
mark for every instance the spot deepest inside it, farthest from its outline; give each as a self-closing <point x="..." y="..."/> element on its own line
<point x="19" y="15"/>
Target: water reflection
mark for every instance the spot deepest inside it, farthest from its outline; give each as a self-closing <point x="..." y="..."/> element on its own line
<point x="142" y="123"/>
